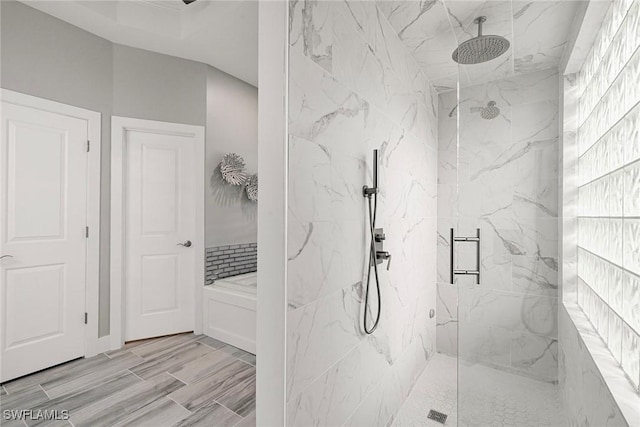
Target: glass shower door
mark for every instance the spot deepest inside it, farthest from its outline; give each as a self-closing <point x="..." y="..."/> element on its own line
<point x="505" y="257"/>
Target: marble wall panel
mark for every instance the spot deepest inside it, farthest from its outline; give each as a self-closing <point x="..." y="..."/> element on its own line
<point x="586" y="397"/>
<point x="355" y="87"/>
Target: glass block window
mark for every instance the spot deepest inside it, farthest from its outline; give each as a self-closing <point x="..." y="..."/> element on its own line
<point x="609" y="185"/>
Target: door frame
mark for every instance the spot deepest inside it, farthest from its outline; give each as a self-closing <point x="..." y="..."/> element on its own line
<point x="92" y="343"/>
<point x="119" y="126"/>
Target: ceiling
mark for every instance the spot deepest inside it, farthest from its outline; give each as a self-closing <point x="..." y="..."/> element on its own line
<point x="432" y="29"/>
<point x="223" y="34"/>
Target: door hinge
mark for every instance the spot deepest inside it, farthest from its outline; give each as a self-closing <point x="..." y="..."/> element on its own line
<point x="86" y="318"/>
<point x="88" y="145"/>
<point x="86" y="232"/>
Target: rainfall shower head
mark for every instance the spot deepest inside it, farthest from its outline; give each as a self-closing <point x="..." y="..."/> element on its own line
<point x="490" y="111"/>
<point x="481" y="48"/>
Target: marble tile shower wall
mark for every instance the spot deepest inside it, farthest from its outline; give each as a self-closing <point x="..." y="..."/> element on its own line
<point x="586" y="397"/>
<point x="609" y="185"/>
<point x="354" y="87"/>
<point x="505" y="182"/>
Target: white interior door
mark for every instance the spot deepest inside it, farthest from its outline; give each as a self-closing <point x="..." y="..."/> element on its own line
<point x="160" y="227"/>
<point x="43" y="161"/>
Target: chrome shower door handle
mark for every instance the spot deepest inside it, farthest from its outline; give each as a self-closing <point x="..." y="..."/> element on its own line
<point x="186" y="244"/>
<point x="475" y="240"/>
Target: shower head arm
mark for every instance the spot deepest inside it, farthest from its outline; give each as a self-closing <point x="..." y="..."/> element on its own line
<point x="480" y="20"/>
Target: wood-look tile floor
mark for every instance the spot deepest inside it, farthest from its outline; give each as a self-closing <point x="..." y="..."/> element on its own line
<point x="180" y="380"/>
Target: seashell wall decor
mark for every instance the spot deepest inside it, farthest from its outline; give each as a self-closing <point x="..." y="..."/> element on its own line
<point x="232" y="169"/>
<point x="252" y="188"/>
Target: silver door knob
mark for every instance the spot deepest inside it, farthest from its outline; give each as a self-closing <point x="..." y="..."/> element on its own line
<point x="6" y="256"/>
<point x="186" y="244"/>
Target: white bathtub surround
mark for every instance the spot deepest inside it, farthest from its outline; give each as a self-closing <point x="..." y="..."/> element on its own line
<point x="229" y="311"/>
<point x="503" y="179"/>
<point x="353" y="87"/>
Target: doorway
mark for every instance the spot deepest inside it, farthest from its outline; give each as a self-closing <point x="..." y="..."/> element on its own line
<point x="49" y="208"/>
<point x="157" y="227"/>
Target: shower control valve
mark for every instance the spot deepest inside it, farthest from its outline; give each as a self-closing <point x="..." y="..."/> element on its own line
<point x="382" y="255"/>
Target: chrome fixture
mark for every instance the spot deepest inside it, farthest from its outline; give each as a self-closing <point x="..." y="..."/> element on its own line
<point x="377" y="254"/>
<point x="186" y="244"/>
<point x="381" y="254"/>
<point x="369" y="191"/>
<point x="188" y="1"/>
<point x="490" y="111"/>
<point x="475" y="240"/>
<point x="481" y="48"/>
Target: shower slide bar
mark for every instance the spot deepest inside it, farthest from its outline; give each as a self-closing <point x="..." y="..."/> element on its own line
<point x="475" y="240"/>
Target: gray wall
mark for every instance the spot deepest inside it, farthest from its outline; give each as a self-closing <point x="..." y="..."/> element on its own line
<point x="49" y="58"/>
<point x="232" y="126"/>
<point x="45" y="57"/>
<point x="148" y="85"/>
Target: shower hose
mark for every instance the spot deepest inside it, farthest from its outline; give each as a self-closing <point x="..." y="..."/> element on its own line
<point x="372" y="261"/>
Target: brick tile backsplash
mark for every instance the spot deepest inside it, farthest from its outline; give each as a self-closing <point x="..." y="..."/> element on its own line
<point x="230" y="260"/>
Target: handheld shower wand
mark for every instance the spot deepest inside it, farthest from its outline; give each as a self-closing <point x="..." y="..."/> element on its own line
<point x="366" y="190"/>
<point x="376" y="252"/>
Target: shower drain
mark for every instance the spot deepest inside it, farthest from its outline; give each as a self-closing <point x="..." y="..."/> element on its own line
<point x="437" y="416"/>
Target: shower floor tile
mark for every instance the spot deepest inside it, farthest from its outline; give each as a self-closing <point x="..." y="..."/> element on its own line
<point x="435" y="389"/>
<point x="488" y="397"/>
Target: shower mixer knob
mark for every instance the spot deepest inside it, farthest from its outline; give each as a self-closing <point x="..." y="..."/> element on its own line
<point x="380" y="237"/>
<point x="382" y="255"/>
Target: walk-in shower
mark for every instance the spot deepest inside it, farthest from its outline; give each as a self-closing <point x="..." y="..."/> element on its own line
<point x="470" y="143"/>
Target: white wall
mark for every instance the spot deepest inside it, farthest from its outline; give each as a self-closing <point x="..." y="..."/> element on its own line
<point x="232" y="126"/>
<point x="354" y="87"/>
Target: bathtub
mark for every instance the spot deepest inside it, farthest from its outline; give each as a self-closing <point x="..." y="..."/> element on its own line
<point x="229" y="311"/>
